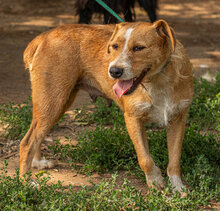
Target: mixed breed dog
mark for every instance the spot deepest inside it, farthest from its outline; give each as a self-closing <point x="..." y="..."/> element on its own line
<point x="140" y="66"/>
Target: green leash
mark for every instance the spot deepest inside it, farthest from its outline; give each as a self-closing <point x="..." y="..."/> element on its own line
<point x="109" y="10"/>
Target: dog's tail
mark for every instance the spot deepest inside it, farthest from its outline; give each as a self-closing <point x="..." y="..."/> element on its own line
<point x="30" y="51"/>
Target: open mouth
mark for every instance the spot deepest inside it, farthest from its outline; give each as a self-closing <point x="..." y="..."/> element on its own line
<point x="126" y="87"/>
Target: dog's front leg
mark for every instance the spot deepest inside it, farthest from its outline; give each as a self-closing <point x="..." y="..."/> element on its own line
<point x="175" y="134"/>
<point x="137" y="133"/>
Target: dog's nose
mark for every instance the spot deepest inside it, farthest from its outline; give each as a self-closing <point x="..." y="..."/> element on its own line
<point x="116" y="72"/>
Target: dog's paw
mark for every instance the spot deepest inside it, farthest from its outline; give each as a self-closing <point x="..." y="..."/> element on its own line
<point x="177" y="185"/>
<point x="155" y="179"/>
<point x="43" y="164"/>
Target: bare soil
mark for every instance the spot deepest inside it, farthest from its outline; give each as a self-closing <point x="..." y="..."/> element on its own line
<point x="196" y="23"/>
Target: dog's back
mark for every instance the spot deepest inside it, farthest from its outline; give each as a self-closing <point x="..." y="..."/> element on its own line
<point x="66" y="36"/>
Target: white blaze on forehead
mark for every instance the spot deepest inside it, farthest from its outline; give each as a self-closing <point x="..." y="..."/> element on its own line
<point x="122" y="59"/>
<point x="127" y="37"/>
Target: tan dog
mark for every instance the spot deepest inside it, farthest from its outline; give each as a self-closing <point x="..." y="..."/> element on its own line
<point x="140" y="66"/>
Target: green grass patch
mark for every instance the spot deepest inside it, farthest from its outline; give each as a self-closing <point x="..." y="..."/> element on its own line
<point x="100" y="150"/>
<point x="111" y="149"/>
<point x="107" y="195"/>
<point x="16" y="119"/>
<point x="102" y="114"/>
<point x="108" y="148"/>
<point x="205" y="108"/>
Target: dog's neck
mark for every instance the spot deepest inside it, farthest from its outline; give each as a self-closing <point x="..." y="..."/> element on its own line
<point x="166" y="63"/>
<point x="162" y="68"/>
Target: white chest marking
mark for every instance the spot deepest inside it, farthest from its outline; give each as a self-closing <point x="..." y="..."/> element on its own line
<point x="160" y="109"/>
<point x="163" y="110"/>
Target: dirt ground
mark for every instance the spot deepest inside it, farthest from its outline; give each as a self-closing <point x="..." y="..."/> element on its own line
<point x="197" y="26"/>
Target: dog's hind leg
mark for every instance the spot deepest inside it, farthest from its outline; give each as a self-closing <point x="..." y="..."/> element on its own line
<point x="136" y="131"/>
<point x="42" y="163"/>
<point x="48" y="108"/>
<point x="175" y="134"/>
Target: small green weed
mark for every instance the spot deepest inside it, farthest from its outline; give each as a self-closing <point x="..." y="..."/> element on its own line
<point x="102" y="149"/>
<point x="102" y="114"/>
<point x="205" y="108"/>
<point x="16" y="118"/>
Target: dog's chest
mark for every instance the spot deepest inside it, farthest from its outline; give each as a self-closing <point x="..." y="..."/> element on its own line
<point x="161" y="109"/>
<point x="158" y="107"/>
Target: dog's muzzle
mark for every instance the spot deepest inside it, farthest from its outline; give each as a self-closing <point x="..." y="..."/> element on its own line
<point x="116" y="72"/>
<point x="137" y="81"/>
<point x="126" y="87"/>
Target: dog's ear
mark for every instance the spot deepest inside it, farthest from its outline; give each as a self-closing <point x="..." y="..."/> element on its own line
<point x="117" y="27"/>
<point x="164" y="30"/>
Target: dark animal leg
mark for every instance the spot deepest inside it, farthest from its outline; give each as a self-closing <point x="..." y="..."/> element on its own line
<point x="85" y="15"/>
<point x="150" y="7"/>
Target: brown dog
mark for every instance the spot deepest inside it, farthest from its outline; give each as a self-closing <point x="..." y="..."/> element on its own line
<point x="140" y="66"/>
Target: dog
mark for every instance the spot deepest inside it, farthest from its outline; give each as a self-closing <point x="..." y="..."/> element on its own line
<point x="86" y="8"/>
<point x="140" y="66"/>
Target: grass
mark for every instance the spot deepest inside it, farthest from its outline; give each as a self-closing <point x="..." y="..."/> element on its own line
<point x="101" y="150"/>
<point x="102" y="114"/>
<point x="16" y="119"/>
<point x="200" y="161"/>
<point x="108" y="148"/>
<point x="15" y="195"/>
<point x="205" y="108"/>
<point x="107" y="195"/>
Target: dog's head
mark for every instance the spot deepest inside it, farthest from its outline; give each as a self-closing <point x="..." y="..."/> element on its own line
<point x="136" y="50"/>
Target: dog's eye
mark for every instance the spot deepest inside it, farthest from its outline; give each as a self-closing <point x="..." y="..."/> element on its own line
<point x="115" y="46"/>
<point x="138" y="48"/>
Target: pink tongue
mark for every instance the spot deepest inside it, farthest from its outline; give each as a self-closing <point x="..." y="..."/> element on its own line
<point x="122" y="87"/>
